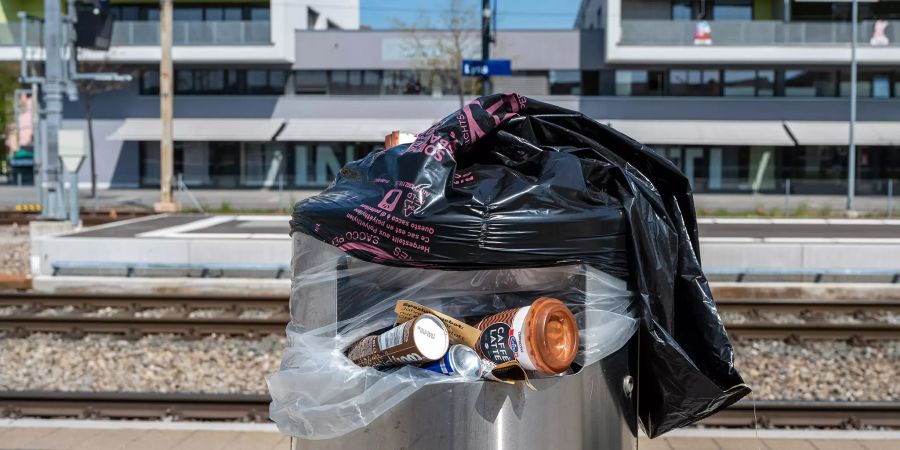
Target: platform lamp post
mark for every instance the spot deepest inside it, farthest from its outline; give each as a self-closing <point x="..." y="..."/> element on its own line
<point x="851" y="157"/>
<point x="166" y="145"/>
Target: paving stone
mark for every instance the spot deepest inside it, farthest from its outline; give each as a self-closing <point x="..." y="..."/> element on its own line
<point x="692" y="443"/>
<point x="160" y="439"/>
<point x="208" y="440"/>
<point x="109" y="440"/>
<point x="880" y="444"/>
<point x="18" y="438"/>
<point x="789" y="444"/>
<point x="63" y="438"/>
<point x="836" y="444"/>
<point x="741" y="443"/>
<point x="653" y="444"/>
<point x="259" y="440"/>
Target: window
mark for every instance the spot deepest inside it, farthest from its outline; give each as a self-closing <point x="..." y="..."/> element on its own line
<point x="682" y="10"/>
<point x="266" y="82"/>
<point x="897" y="84"/>
<point x="311" y="82"/>
<point x="881" y="85"/>
<point x="187" y="14"/>
<point x="259" y="14"/>
<point x="150" y="82"/>
<point x="184" y="81"/>
<point x="233" y="14"/>
<point x="739" y="83"/>
<point x="694" y="82"/>
<point x="219" y="82"/>
<point x="402" y="82"/>
<point x="209" y="80"/>
<point x="804" y="83"/>
<point x="748" y="83"/>
<point x="193" y="13"/>
<point x="639" y="82"/>
<point x="863" y="84"/>
<point x="565" y="82"/>
<point x="732" y="10"/>
<point x="214" y="14"/>
<point x="590" y="82"/>
<point x="355" y="82"/>
<point x="765" y="83"/>
<point x="123" y="12"/>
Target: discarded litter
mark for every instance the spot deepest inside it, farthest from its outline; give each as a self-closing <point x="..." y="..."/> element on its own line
<point x="536" y="237"/>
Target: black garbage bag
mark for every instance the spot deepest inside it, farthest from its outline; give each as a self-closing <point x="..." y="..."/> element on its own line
<point x="509" y="181"/>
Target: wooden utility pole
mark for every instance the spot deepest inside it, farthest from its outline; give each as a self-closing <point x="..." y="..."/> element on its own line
<point x="166" y="145"/>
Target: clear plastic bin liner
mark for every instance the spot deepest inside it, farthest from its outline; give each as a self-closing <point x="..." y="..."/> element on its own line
<point x="335" y="300"/>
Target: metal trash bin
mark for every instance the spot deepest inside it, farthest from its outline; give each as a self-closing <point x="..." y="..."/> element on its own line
<point x="594" y="408"/>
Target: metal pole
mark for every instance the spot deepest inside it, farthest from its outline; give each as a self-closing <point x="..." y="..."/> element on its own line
<point x="166" y="144"/>
<point x="37" y="142"/>
<point x="787" y="11"/>
<point x="890" y="208"/>
<point x="485" y="43"/>
<point x="54" y="85"/>
<point x="74" y="209"/>
<point x="787" y="195"/>
<point x="851" y="166"/>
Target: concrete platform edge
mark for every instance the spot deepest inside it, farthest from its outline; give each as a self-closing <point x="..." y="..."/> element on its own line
<point x="232" y="287"/>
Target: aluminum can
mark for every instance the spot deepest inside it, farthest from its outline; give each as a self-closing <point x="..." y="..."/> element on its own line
<point x="459" y="360"/>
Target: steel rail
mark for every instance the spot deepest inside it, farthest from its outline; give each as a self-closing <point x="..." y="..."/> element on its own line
<point x="81" y="314"/>
<point x="137" y="405"/>
<point x="825" y="414"/>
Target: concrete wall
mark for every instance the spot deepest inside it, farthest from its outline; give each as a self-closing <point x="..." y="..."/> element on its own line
<point x="529" y="50"/>
<point x="799" y="255"/>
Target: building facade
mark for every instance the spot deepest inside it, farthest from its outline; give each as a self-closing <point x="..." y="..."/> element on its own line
<point x="284" y="93"/>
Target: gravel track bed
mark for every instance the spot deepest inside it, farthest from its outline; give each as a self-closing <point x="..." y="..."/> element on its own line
<point x="15" y="249"/>
<point x="820" y="370"/>
<point x="816" y="370"/>
<point x="155" y="363"/>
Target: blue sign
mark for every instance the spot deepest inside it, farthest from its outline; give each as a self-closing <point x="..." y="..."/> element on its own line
<point x="489" y="68"/>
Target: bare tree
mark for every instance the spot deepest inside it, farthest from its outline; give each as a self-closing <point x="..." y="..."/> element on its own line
<point x="91" y="88"/>
<point x="438" y="47"/>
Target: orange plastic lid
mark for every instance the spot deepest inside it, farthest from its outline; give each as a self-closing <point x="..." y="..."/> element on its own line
<point x="552" y="335"/>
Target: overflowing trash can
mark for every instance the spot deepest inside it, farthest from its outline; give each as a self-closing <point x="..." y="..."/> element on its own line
<point x="518" y="276"/>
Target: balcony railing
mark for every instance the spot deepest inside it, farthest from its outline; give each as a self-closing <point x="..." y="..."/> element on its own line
<point x="757" y="32"/>
<point x="193" y="33"/>
<point x="147" y="33"/>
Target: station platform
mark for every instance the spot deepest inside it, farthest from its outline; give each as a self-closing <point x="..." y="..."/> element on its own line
<point x="235" y="245"/>
<point x="137" y="435"/>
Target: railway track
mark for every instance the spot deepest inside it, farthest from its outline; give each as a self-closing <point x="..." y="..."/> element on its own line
<point x="75" y="315"/>
<point x="824" y="414"/>
<point x="255" y="408"/>
<point x="762" y="319"/>
<point x="138" y="405"/>
<point x="23" y="313"/>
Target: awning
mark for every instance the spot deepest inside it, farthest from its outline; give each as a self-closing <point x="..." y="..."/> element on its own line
<point x="349" y="130"/>
<point x="199" y="130"/>
<point x="705" y="132"/>
<point x="838" y="133"/>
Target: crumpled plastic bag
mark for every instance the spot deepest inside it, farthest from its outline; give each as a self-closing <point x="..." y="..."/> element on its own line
<point x="320" y="394"/>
